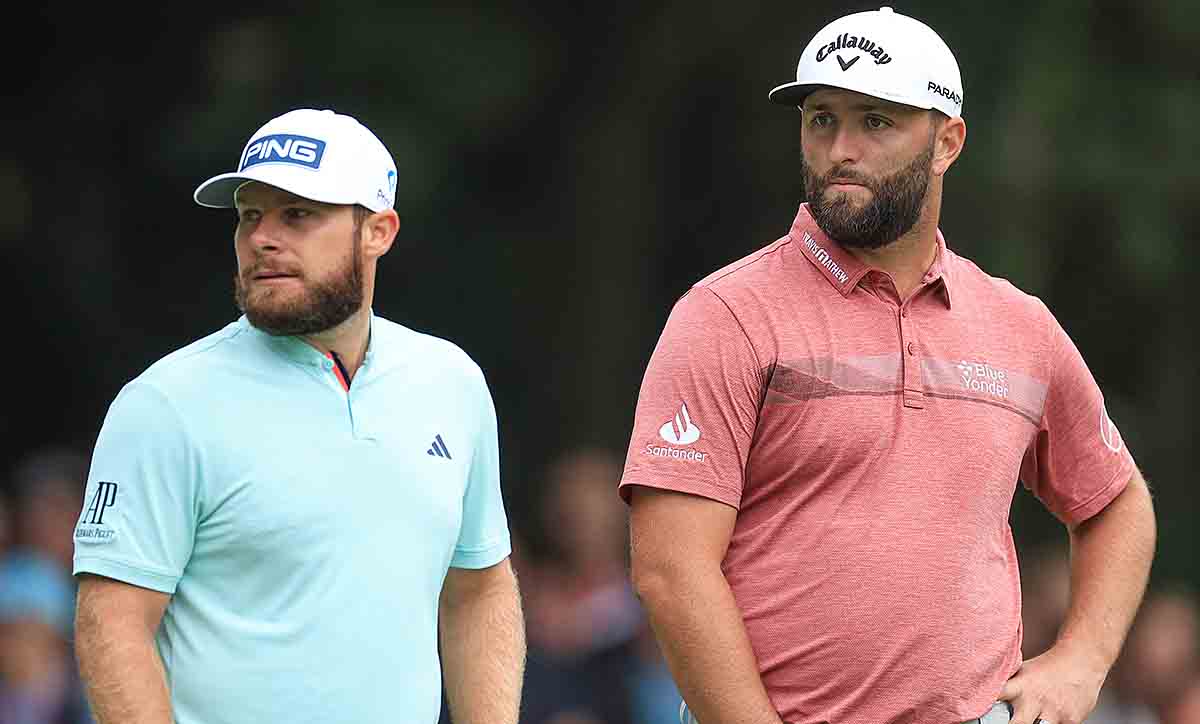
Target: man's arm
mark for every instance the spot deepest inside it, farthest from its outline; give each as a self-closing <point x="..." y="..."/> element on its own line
<point x="679" y="541"/>
<point x="1110" y="565"/>
<point x="483" y="644"/>
<point x="115" y="624"/>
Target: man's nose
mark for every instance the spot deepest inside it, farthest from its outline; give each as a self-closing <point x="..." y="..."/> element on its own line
<point x="847" y="146"/>
<point x="266" y="233"/>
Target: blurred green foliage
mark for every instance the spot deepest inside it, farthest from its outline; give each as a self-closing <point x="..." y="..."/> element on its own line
<point x="566" y="171"/>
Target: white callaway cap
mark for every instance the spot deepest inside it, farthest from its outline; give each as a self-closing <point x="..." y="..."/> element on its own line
<point x="879" y="53"/>
<point x="318" y="155"/>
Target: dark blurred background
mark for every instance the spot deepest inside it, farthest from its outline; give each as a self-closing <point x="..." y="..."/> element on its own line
<point x="566" y="171"/>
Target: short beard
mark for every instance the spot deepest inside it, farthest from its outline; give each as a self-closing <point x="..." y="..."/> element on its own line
<point x="324" y="305"/>
<point x="894" y="208"/>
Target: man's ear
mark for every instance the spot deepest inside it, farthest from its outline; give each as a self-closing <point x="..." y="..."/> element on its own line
<point x="948" y="139"/>
<point x="379" y="231"/>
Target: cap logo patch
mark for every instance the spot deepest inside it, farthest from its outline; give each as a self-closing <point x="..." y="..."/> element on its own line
<point x="284" y="148"/>
<point x="945" y="92"/>
<point x="846" y="41"/>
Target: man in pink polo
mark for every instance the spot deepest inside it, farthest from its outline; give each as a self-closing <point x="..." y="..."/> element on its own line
<point x="830" y="433"/>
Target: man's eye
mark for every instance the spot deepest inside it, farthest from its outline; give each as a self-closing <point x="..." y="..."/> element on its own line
<point x="248" y="215"/>
<point x="875" y="123"/>
<point x="821" y="120"/>
<point x="295" y="212"/>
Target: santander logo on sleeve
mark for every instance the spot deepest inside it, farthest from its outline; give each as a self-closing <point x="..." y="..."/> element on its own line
<point x="679" y="430"/>
<point x="1108" y="431"/>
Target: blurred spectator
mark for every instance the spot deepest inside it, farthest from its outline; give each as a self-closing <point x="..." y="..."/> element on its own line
<point x="1186" y="708"/>
<point x="1158" y="665"/>
<point x="591" y="658"/>
<point x="1045" y="590"/>
<point x="589" y="603"/>
<point x="5" y="525"/>
<point x="655" y="698"/>
<point x="1156" y="679"/>
<point x="48" y="489"/>
<point x="38" y="680"/>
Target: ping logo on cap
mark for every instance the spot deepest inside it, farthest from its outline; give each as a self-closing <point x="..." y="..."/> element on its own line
<point x="284" y="148"/>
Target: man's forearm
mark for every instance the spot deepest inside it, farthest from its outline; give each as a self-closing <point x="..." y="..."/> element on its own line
<point x="122" y="672"/>
<point x="704" y="640"/>
<point x="483" y="656"/>
<point x="1110" y="565"/>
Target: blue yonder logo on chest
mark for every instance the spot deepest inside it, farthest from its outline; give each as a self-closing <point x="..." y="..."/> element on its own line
<point x="846" y="41"/>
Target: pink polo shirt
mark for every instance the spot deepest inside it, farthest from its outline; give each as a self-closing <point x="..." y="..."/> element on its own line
<point x="872" y="449"/>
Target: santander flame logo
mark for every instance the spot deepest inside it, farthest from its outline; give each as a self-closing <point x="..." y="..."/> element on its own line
<point x="680" y="430"/>
<point x="1108" y="431"/>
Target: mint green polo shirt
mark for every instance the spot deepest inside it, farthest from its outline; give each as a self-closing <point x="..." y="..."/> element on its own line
<point x="304" y="530"/>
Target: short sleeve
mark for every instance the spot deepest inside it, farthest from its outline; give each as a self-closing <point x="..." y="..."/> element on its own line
<point x="698" y="405"/>
<point x="1078" y="462"/>
<point x="483" y="539"/>
<point x="140" y="505"/>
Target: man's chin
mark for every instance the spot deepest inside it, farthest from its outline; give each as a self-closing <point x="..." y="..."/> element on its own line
<point x="275" y="324"/>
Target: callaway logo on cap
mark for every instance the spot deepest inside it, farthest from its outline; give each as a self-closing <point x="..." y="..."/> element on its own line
<point x="315" y="154"/>
<point x="879" y="53"/>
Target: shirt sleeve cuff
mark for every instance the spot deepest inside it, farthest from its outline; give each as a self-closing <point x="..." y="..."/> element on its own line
<point x="485" y="557"/>
<point x="154" y="580"/>
<point x="1100" y="500"/>
<point x="693" y="487"/>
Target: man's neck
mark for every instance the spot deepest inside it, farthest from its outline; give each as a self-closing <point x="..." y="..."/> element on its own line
<point x="906" y="259"/>
<point x="348" y="340"/>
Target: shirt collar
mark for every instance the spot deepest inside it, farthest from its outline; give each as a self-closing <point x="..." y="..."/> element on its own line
<point x="296" y="349"/>
<point x="942" y="269"/>
<point x="843" y="270"/>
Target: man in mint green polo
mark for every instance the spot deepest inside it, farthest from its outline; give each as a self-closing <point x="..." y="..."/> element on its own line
<point x="281" y="517"/>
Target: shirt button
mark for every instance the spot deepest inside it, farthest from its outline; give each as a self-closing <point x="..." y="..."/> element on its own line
<point x="912" y="349"/>
<point x="904" y="312"/>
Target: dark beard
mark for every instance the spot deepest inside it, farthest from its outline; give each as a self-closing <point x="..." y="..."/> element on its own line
<point x="893" y="210"/>
<point x="325" y="304"/>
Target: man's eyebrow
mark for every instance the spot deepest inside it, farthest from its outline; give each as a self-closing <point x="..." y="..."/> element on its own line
<point x="289" y="200"/>
<point x="865" y="107"/>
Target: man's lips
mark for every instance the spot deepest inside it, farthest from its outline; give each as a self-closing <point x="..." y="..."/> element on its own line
<point x="846" y="186"/>
<point x="272" y="275"/>
<point x="272" y="278"/>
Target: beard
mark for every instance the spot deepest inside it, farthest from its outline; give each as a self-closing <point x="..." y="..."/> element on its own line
<point x="321" y="305"/>
<point x="894" y="208"/>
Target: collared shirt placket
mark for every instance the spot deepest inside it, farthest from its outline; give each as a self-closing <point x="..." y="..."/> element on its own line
<point x="910" y="356"/>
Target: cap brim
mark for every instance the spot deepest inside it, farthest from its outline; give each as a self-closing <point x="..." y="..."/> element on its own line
<point x="791" y="94"/>
<point x="794" y="93"/>
<point x="217" y="192"/>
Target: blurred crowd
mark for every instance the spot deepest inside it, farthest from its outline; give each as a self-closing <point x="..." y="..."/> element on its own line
<point x="1156" y="679"/>
<point x="592" y="657"/>
<point x="39" y="683"/>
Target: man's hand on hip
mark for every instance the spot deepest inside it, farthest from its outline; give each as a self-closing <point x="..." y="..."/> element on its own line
<point x="1058" y="687"/>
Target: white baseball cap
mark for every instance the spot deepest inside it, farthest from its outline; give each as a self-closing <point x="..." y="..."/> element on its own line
<point x="879" y="53"/>
<point x="316" y="154"/>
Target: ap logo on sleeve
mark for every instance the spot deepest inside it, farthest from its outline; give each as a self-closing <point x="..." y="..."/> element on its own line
<point x="96" y="523"/>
